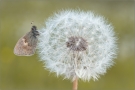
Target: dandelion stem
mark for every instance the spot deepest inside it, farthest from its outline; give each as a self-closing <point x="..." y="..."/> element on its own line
<point x="75" y="84"/>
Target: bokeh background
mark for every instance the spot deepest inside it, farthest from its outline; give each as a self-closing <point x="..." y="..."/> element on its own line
<point x="28" y="73"/>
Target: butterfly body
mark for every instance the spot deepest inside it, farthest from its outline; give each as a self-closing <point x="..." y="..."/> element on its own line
<point x="26" y="45"/>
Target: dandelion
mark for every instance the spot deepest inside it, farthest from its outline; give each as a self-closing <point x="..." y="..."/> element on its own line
<point x="77" y="45"/>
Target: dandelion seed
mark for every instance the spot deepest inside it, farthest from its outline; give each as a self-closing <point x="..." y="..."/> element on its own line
<point x="77" y="45"/>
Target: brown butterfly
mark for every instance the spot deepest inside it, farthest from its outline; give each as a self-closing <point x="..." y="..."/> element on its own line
<point x="26" y="45"/>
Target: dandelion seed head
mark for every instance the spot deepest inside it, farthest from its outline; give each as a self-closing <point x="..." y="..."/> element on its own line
<point x="77" y="44"/>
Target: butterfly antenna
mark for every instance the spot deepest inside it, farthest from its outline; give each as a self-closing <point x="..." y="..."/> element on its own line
<point x="32" y="22"/>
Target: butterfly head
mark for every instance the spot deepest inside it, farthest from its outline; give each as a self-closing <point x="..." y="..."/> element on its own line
<point x="34" y="31"/>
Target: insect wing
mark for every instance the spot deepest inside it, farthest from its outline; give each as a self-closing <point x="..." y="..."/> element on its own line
<point x="25" y="46"/>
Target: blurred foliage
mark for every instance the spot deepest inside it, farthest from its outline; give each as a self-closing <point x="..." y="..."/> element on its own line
<point x="28" y="73"/>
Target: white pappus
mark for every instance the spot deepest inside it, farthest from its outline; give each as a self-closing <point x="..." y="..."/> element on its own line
<point x="77" y="44"/>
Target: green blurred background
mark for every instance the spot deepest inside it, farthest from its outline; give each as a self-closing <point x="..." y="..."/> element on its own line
<point x="28" y="73"/>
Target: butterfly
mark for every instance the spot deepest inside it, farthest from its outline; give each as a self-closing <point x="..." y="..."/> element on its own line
<point x="26" y="45"/>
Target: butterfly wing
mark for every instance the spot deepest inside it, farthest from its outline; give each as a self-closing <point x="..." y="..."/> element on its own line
<point x="25" y="46"/>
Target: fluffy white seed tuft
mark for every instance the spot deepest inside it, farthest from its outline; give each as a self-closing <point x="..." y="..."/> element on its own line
<point x="77" y="44"/>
